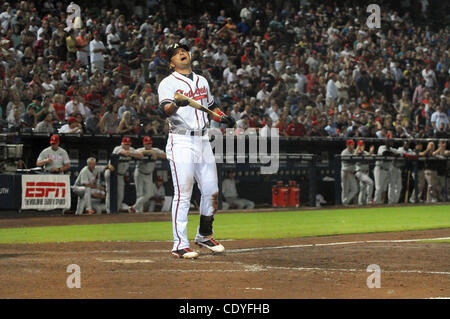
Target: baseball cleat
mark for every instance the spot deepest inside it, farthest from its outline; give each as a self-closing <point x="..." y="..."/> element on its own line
<point x="186" y="253"/>
<point x="131" y="210"/>
<point x="212" y="245"/>
<point x="89" y="212"/>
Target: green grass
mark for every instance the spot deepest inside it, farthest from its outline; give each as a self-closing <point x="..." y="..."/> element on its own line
<point x="249" y="225"/>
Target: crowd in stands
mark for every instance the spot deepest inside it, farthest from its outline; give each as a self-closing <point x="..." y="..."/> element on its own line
<point x="304" y="67"/>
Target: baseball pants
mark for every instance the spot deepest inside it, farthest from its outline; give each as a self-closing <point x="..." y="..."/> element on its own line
<point x="381" y="177"/>
<point x="145" y="188"/>
<point x="120" y="190"/>
<point x="349" y="187"/>
<point x="420" y="186"/>
<point x="191" y="159"/>
<point x="434" y="186"/>
<point x="394" y="185"/>
<point x="84" y="198"/>
<point x="365" y="187"/>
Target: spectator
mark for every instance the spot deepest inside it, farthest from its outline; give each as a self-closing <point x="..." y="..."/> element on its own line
<point x="45" y="126"/>
<point x="97" y="48"/>
<point x="93" y="123"/>
<point x="72" y="126"/>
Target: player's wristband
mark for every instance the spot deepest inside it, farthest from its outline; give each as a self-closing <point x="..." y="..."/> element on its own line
<point x="216" y="118"/>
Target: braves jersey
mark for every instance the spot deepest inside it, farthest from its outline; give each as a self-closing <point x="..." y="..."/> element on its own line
<point x="59" y="157"/>
<point x="196" y="89"/>
<point x="146" y="165"/>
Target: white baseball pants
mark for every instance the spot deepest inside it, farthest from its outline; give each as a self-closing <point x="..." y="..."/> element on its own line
<point x="191" y="159"/>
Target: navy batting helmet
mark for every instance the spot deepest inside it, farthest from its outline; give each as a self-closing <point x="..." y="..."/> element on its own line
<point x="173" y="48"/>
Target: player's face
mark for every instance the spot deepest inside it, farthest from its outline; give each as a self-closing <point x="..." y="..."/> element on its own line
<point x="181" y="60"/>
<point x="91" y="165"/>
<point x="148" y="146"/>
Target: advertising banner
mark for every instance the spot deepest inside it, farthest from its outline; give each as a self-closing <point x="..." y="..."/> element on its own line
<point x="46" y="192"/>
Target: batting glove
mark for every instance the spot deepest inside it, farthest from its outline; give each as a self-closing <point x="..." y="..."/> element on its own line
<point x="181" y="103"/>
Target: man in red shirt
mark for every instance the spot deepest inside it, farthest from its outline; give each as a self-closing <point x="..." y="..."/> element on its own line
<point x="295" y="128"/>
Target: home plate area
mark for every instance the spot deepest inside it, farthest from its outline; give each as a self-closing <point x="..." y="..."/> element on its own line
<point x="313" y="267"/>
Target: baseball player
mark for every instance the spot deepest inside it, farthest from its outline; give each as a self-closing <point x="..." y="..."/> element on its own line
<point x="395" y="178"/>
<point x="87" y="186"/>
<point x="54" y="159"/>
<point x="419" y="152"/>
<point x="159" y="197"/>
<point x="143" y="173"/>
<point x="126" y="154"/>
<point x="189" y="151"/>
<point x="362" y="175"/>
<point x="348" y="181"/>
<point x="381" y="172"/>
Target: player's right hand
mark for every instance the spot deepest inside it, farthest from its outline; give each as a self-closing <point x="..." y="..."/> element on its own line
<point x="229" y="120"/>
<point x="181" y="103"/>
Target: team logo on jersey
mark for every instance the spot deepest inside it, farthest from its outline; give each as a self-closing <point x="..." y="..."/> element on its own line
<point x="198" y="94"/>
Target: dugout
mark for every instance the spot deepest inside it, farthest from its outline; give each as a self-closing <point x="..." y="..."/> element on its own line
<point x="310" y="161"/>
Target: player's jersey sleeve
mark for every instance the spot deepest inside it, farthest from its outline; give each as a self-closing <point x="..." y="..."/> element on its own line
<point x="84" y="178"/>
<point x="211" y="103"/>
<point x="43" y="155"/>
<point x="165" y="91"/>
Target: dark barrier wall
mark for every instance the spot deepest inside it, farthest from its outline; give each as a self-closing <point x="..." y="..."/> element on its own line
<point x="257" y="187"/>
<point x="10" y="190"/>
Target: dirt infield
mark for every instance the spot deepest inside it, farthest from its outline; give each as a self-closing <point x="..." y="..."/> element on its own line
<point x="313" y="267"/>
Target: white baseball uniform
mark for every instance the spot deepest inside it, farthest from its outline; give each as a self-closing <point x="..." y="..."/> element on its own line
<point x="190" y="154"/>
<point x="143" y="179"/>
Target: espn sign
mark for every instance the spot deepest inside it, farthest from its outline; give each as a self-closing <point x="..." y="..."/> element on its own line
<point x="45" y="192"/>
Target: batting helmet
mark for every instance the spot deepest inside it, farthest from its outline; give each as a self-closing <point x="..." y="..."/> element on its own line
<point x="173" y="48"/>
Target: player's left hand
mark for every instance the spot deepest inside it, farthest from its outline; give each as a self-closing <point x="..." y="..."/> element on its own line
<point x="229" y="120"/>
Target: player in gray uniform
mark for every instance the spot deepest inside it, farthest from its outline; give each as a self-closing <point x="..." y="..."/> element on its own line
<point x="127" y="153"/>
<point x="395" y="177"/>
<point x="362" y="174"/>
<point x="143" y="174"/>
<point x="87" y="186"/>
<point x="54" y="159"/>
<point x="348" y="181"/>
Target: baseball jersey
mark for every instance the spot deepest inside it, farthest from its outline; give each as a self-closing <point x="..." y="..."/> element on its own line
<point x="146" y="165"/>
<point x="347" y="165"/>
<point x="363" y="165"/>
<point x="59" y="157"/>
<point x="124" y="161"/>
<point x="86" y="176"/>
<point x="229" y="188"/>
<point x="383" y="150"/>
<point x="196" y="89"/>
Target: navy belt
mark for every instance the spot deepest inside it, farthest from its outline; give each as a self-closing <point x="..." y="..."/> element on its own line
<point x="189" y="132"/>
